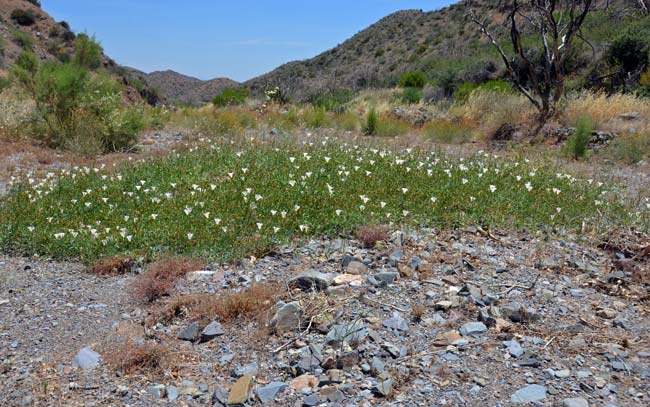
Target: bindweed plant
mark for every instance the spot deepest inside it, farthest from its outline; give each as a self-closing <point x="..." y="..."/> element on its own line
<point x="223" y="201"/>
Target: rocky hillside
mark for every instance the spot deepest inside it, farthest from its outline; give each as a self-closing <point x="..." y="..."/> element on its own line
<point x="179" y="88"/>
<point x="23" y="24"/>
<point x="436" y="42"/>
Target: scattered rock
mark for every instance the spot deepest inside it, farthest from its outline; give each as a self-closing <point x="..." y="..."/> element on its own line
<point x="87" y="359"/>
<point x="472" y="328"/>
<point x="267" y="394"/>
<point x="190" y="333"/>
<point x="396" y="322"/>
<point x="287" y="317"/>
<point x="311" y="281"/>
<point x="356" y="268"/>
<point x="532" y="392"/>
<point x="211" y="331"/>
<point x="575" y="402"/>
<point x="240" y="392"/>
<point x="304" y="381"/>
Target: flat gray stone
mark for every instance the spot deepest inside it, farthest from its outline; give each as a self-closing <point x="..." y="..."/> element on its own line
<point x="514" y="348"/>
<point x="267" y="393"/>
<point x="211" y="331"/>
<point x="472" y="328"/>
<point x="287" y="317"/>
<point x="532" y="392"/>
<point x="575" y="402"/>
<point x="172" y="393"/>
<point x="311" y="281"/>
<point x="189" y="333"/>
<point x="397" y="322"/>
<point x="87" y="359"/>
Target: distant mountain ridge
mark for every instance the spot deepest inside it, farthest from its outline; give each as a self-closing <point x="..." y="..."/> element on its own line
<point x="183" y="89"/>
<point x="434" y="42"/>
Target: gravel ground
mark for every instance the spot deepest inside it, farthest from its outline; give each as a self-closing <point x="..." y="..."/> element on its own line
<point x="453" y="318"/>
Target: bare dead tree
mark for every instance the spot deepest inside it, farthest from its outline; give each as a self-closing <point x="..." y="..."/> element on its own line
<point x="643" y="6"/>
<point x="556" y="23"/>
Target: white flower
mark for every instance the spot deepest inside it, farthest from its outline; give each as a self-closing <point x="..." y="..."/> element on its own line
<point x="273" y="212"/>
<point x="258" y="197"/>
<point x="382" y="204"/>
<point x="472" y="199"/>
<point x="207" y="215"/>
<point x="464" y="181"/>
<point x="556" y="191"/>
<point x="154" y="216"/>
<point x="187" y="210"/>
<point x="303" y="228"/>
<point x="190" y="236"/>
<point x="364" y="198"/>
<point x="276" y="229"/>
<point x="59" y="235"/>
<point x="296" y="208"/>
<point x="528" y="186"/>
<point x="405" y="213"/>
<point x="493" y="188"/>
<point x="434" y="199"/>
<point x="30" y="228"/>
<point x="292" y="182"/>
<point x="405" y="190"/>
<point x="259" y="226"/>
<point x="339" y="212"/>
<point x="558" y="210"/>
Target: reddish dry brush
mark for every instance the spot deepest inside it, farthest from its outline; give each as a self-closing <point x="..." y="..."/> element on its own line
<point x="369" y="235"/>
<point x="113" y="266"/>
<point x="161" y="276"/>
<point x="149" y="357"/>
<point x="254" y="302"/>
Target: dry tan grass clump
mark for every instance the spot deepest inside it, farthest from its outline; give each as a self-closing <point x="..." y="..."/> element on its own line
<point x="112" y="266"/>
<point x="604" y="110"/>
<point x="149" y="357"/>
<point x="369" y="235"/>
<point x="250" y="303"/>
<point x="488" y="110"/>
<point x="160" y="277"/>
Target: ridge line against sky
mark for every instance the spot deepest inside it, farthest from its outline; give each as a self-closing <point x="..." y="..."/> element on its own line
<point x="208" y="39"/>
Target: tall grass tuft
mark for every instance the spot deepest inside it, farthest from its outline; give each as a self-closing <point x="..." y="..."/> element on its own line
<point x="576" y="145"/>
<point x="370" y="128"/>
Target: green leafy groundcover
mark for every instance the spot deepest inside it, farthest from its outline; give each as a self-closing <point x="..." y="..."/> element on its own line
<point x="222" y="201"/>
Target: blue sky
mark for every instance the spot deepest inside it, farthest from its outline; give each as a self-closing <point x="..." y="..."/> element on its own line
<point x="212" y="38"/>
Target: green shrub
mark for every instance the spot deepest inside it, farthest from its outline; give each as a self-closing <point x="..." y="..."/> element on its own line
<point x="332" y="101"/>
<point x="629" y="50"/>
<point x="391" y="127"/>
<point x="631" y="149"/>
<point x="23" y="17"/>
<point x="463" y="90"/>
<point x="68" y="36"/>
<point x="576" y="145"/>
<point x="87" y="52"/>
<point x="347" y="121"/>
<point x="231" y="97"/>
<point x="370" y="128"/>
<point x="315" y="117"/>
<point x="75" y="109"/>
<point x="55" y="31"/>
<point x="277" y="95"/>
<point x="411" y="95"/>
<point x="4" y="83"/>
<point x="23" y="39"/>
<point x="413" y="80"/>
<point x="447" y="132"/>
